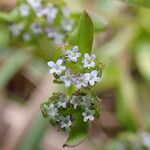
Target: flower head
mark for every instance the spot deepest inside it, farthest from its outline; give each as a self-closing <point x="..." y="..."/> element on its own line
<point x="88" y="61"/>
<point x="26" y="36"/>
<point x="51" y="111"/>
<point x="66" y="12"/>
<point x="92" y="77"/>
<point x="67" y="25"/>
<point x="58" y="38"/>
<point x="146" y="139"/>
<point x="65" y="122"/>
<point x="16" y="29"/>
<point x="35" y="4"/>
<point x="50" y="12"/>
<point x="62" y="101"/>
<point x="73" y="55"/>
<point x="87" y="101"/>
<point x="55" y="35"/>
<point x="36" y="28"/>
<point x="68" y="78"/>
<point x="81" y="81"/>
<point x="76" y="101"/>
<point x="88" y="115"/>
<point x="24" y="10"/>
<point x="56" y="67"/>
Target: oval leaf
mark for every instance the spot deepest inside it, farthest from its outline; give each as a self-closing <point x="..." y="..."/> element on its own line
<point x="85" y="33"/>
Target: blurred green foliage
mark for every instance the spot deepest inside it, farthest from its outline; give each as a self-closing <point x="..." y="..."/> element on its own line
<point x="124" y="48"/>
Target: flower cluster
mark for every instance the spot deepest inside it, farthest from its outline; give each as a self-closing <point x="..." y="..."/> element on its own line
<point x="46" y="21"/>
<point x="79" y="72"/>
<point x="56" y="109"/>
<point x="88" y="69"/>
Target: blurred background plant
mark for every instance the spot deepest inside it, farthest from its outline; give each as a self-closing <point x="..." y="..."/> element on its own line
<point x="122" y="43"/>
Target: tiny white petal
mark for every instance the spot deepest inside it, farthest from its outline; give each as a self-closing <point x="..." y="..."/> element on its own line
<point x="92" y="82"/>
<point x="51" y="63"/>
<point x="59" y="62"/>
<point x="88" y="61"/>
<point x="94" y="72"/>
<point x="85" y="119"/>
<point x="56" y="67"/>
<point x="91" y="118"/>
<point x="93" y="56"/>
<point x="86" y="55"/>
<point x="76" y="48"/>
<point x="73" y="55"/>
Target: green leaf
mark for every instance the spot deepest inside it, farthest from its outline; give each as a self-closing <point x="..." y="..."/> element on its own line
<point x="143" y="59"/>
<point x="78" y="133"/>
<point x="9" y="17"/>
<point x="85" y="33"/>
<point x="141" y="3"/>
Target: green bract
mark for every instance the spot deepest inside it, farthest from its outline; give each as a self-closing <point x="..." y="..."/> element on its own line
<point x="78" y="70"/>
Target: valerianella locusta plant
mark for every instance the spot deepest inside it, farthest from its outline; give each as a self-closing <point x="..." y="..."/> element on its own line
<point x="78" y="71"/>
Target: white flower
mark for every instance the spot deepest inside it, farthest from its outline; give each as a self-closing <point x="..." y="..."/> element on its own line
<point x="35" y="4"/>
<point x="56" y="67"/>
<point x="16" y="29"/>
<point x="146" y="139"/>
<point x="51" y="111"/>
<point x="87" y="101"/>
<point x="76" y="101"/>
<point x="26" y="36"/>
<point x="67" y="25"/>
<point x="65" y="122"/>
<point x="66" y="12"/>
<point x="68" y="78"/>
<point x="24" y="10"/>
<point x="92" y="77"/>
<point x="88" y="61"/>
<point x="56" y="36"/>
<point x="51" y="32"/>
<point x="36" y="28"/>
<point x="88" y="115"/>
<point x="81" y="81"/>
<point x="74" y="54"/>
<point x="50" y="12"/>
<point x="62" y="102"/>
